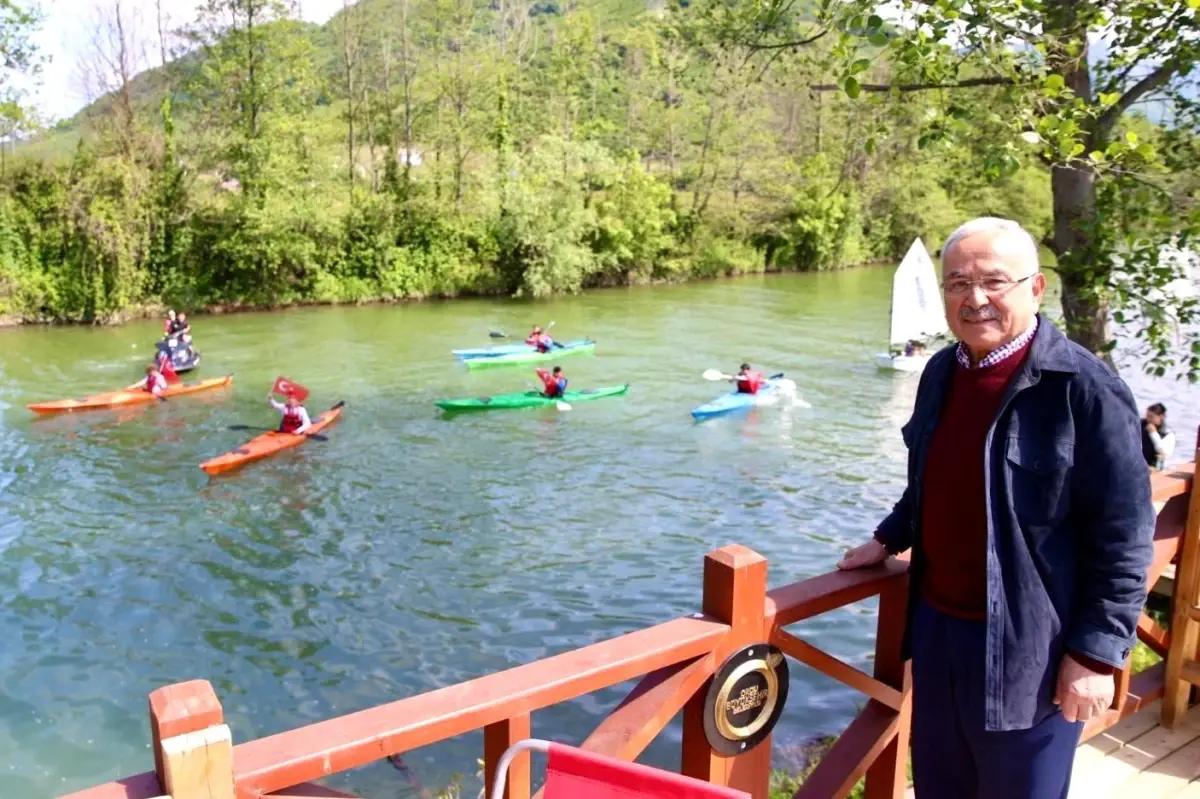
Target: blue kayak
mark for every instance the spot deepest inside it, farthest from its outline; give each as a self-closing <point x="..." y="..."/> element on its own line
<point x="513" y="351"/>
<point x="734" y="401"/>
<point x="491" y="352"/>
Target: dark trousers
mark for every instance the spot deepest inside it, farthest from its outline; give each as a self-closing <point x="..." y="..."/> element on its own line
<point x="953" y="756"/>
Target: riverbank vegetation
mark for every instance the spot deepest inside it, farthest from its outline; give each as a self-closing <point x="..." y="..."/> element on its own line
<point x="436" y="148"/>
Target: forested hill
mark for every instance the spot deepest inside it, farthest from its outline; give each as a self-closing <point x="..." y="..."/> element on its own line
<point x="420" y="148"/>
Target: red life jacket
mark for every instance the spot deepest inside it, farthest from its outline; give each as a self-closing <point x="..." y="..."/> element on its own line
<point x="291" y="420"/>
<point x="550" y="385"/>
<point x="152" y="381"/>
<point x="750" y="383"/>
<point x="539" y="340"/>
<point x="167" y="370"/>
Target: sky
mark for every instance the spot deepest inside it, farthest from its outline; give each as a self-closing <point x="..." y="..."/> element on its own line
<point x="66" y="32"/>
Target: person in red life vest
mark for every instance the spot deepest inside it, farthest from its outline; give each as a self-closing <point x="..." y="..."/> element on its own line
<point x="155" y="383"/>
<point x="295" y="418"/>
<point x="748" y="382"/>
<point x="167" y="369"/>
<point x="554" y="384"/>
<point x="541" y="340"/>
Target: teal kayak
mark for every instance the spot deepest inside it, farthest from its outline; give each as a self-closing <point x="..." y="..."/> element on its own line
<point x="734" y="401"/>
<point x="492" y="352"/>
<point x="533" y="356"/>
<point x="528" y="399"/>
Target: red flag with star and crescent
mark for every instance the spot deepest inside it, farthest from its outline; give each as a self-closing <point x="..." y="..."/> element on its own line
<point x="287" y="388"/>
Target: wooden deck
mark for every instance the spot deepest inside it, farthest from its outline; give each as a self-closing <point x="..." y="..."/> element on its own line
<point x="1138" y="758"/>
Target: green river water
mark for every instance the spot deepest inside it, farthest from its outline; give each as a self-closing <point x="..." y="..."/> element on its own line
<point x="412" y="551"/>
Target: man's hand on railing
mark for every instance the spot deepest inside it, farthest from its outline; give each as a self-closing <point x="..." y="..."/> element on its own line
<point x="865" y="555"/>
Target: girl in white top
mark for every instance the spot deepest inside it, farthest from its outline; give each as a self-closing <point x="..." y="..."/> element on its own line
<point x="295" y="418"/>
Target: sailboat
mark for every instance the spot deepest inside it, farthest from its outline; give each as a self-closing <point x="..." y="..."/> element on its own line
<point x="917" y="310"/>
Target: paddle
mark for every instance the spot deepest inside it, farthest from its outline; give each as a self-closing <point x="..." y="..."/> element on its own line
<point x="498" y="334"/>
<point x="713" y="374"/>
<point x="562" y="406"/>
<point x="313" y="436"/>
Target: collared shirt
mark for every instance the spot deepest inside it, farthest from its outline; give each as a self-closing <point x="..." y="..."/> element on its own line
<point x="1000" y="353"/>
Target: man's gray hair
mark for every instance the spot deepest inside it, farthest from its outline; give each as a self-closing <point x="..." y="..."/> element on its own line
<point x="1018" y="237"/>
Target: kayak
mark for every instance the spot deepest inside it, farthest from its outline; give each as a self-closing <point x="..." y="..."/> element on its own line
<point x="492" y="352"/>
<point x="734" y="401"/>
<point x="260" y="447"/>
<point x="532" y="355"/>
<point x="123" y="397"/>
<point x="528" y="399"/>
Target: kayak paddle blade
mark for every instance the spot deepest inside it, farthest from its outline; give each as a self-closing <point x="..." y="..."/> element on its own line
<point x="497" y="334"/>
<point x="562" y="406"/>
<point x="338" y="404"/>
<point x="713" y="374"/>
<point x="776" y="377"/>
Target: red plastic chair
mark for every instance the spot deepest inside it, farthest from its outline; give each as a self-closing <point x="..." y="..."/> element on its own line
<point x="572" y="773"/>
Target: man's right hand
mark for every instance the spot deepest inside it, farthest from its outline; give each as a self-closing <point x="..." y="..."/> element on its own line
<point x="860" y="557"/>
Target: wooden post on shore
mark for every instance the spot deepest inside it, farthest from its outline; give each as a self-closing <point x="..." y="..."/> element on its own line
<point x="735" y="592"/>
<point x="193" y="748"/>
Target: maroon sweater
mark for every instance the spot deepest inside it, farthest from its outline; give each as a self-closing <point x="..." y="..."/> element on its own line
<point x="954" y="499"/>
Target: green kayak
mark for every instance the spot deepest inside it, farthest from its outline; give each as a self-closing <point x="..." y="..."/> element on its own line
<point x="528" y="399"/>
<point x="533" y="356"/>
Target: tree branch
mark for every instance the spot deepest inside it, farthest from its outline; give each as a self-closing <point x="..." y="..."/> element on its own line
<point x="785" y="45"/>
<point x="1155" y="80"/>
<point x="918" y="87"/>
<point x="1168" y="26"/>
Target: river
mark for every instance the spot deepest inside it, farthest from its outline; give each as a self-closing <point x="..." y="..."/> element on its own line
<point x="412" y="551"/>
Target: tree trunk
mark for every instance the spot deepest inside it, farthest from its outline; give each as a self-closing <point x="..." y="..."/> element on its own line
<point x="1084" y="310"/>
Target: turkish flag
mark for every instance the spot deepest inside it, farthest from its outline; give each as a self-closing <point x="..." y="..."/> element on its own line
<point x="289" y="389"/>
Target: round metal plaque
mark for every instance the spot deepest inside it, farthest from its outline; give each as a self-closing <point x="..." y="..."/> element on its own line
<point x="745" y="699"/>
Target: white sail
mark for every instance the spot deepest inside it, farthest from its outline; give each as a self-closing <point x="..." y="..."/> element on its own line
<point x="917" y="310"/>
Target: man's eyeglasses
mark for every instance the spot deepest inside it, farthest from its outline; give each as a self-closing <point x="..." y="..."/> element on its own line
<point x="991" y="286"/>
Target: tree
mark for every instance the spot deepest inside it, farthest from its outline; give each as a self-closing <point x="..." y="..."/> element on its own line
<point x="255" y="82"/>
<point x="108" y="67"/>
<point x="1069" y="73"/>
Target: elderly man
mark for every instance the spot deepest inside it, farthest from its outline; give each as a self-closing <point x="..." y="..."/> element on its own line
<point x="1029" y="516"/>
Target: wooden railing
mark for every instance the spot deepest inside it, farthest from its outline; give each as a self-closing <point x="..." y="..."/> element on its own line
<point x="194" y="756"/>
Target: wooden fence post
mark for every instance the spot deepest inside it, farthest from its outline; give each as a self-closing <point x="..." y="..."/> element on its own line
<point x="1185" y="618"/>
<point x="497" y="738"/>
<point x="193" y="748"/>
<point x="735" y="592"/>
<point x="887" y="778"/>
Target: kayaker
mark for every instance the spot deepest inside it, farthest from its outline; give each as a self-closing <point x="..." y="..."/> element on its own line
<point x="295" y="417"/>
<point x="155" y="383"/>
<point x="541" y="340"/>
<point x="748" y="381"/>
<point x="554" y="384"/>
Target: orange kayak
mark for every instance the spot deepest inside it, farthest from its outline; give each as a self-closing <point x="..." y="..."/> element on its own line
<point x="268" y="444"/>
<point x="126" y="396"/>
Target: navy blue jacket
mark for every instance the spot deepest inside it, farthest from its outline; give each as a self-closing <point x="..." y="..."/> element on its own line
<point x="1070" y="519"/>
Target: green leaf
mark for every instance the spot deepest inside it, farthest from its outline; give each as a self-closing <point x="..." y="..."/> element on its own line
<point x="878" y="39"/>
<point x="1109" y="98"/>
<point x="1146" y="150"/>
<point x="1031" y="136"/>
<point x="875" y="22"/>
<point x="860" y="65"/>
<point x="1055" y="82"/>
<point x="869" y="146"/>
<point x="1096" y="156"/>
<point x="1193" y="4"/>
<point x="923" y="142"/>
<point x="1131" y="137"/>
<point x="852" y="88"/>
<point x="1076" y="149"/>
